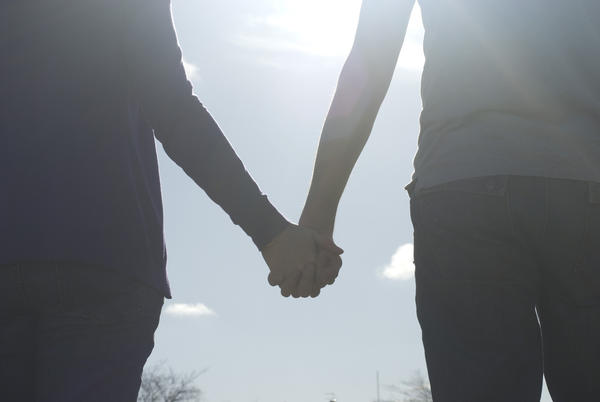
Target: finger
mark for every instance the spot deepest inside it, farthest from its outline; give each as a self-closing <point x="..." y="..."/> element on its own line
<point x="333" y="274"/>
<point x="326" y="242"/>
<point x="305" y="285"/>
<point x="334" y="270"/>
<point x="316" y="286"/>
<point x="275" y="278"/>
<point x="322" y="274"/>
<point x="328" y="261"/>
<point x="328" y="268"/>
<point x="335" y="263"/>
<point x="290" y="283"/>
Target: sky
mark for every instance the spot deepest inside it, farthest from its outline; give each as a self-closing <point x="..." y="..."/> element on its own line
<point x="267" y="71"/>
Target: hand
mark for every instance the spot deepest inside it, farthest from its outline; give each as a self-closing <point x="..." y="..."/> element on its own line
<point x="328" y="267"/>
<point x="320" y="222"/>
<point x="293" y="257"/>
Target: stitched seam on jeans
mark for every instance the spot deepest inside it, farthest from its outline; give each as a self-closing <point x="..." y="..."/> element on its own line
<point x="474" y="185"/>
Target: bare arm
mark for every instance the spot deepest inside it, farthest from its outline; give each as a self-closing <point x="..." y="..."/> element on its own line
<point x="362" y="86"/>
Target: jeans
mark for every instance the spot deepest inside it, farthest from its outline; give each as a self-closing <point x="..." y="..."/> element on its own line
<point x="73" y="334"/>
<point x="508" y="288"/>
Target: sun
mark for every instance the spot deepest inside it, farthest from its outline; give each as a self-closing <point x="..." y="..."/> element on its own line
<point x="318" y="27"/>
<point x="325" y="28"/>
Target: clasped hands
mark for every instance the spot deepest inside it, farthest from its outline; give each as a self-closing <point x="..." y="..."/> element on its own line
<point x="302" y="261"/>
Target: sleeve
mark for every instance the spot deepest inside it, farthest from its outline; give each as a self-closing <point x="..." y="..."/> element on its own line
<point x="188" y="133"/>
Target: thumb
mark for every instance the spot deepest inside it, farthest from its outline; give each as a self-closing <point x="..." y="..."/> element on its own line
<point x="275" y="279"/>
<point x="326" y="242"/>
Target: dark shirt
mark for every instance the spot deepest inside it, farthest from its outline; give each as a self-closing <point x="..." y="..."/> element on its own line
<point x="510" y="87"/>
<point x="85" y="87"/>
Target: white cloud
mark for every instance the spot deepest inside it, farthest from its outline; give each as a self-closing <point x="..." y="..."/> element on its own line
<point x="191" y="71"/>
<point x="189" y="310"/>
<point x="401" y="267"/>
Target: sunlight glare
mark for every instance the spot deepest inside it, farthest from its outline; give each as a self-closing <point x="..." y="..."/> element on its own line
<point x="317" y="27"/>
<point x="412" y="56"/>
<point x="324" y="28"/>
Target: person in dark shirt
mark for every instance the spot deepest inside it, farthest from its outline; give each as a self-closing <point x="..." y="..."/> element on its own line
<point x="505" y="197"/>
<point x="86" y="86"/>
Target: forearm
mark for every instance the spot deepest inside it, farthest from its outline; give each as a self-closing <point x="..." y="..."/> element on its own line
<point x="336" y="158"/>
<point x="199" y="147"/>
<point x="360" y="92"/>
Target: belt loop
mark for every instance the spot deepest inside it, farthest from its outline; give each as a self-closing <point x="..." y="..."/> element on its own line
<point x="593" y="192"/>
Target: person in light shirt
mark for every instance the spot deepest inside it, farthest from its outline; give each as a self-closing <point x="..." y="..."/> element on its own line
<point x="505" y="196"/>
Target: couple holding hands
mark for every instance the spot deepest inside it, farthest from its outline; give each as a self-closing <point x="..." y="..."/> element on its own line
<point x="504" y="198"/>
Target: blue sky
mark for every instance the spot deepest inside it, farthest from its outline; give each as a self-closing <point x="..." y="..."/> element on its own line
<point x="267" y="70"/>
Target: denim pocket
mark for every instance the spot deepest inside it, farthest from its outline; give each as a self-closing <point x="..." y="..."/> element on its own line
<point x="485" y="185"/>
<point x="461" y="199"/>
<point x="462" y="230"/>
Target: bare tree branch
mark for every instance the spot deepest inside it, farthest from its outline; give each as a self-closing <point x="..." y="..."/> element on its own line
<point x="164" y="385"/>
<point x="415" y="389"/>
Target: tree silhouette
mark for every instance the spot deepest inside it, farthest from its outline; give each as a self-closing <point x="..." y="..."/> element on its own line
<point x="415" y="389"/>
<point x="160" y="384"/>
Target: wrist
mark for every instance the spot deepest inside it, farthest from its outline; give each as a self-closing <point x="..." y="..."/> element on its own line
<point x="319" y="222"/>
<point x="286" y="226"/>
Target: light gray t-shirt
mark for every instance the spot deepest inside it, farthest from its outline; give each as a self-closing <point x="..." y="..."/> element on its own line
<point x="510" y="87"/>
